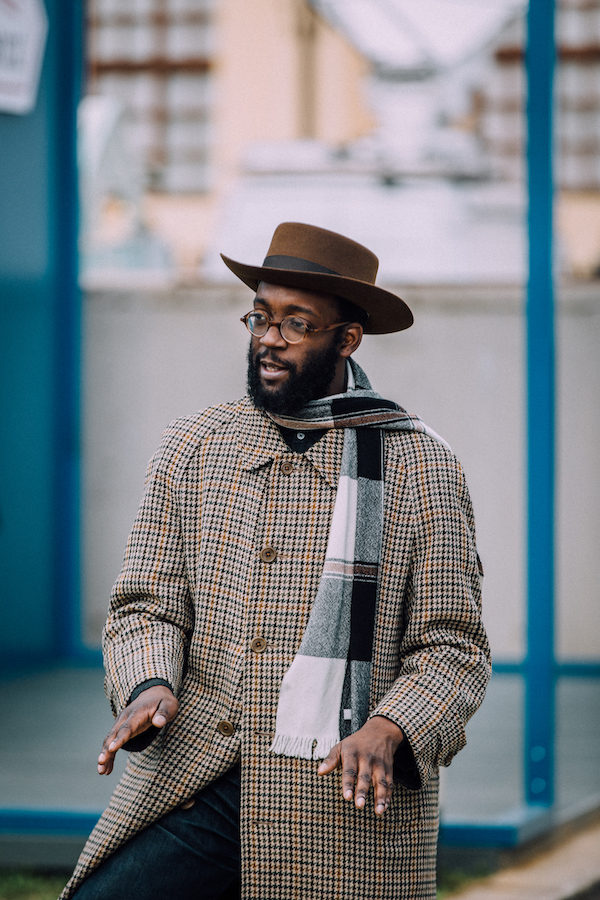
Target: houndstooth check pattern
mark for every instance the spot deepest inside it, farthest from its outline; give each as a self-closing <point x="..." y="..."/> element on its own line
<point x="193" y="592"/>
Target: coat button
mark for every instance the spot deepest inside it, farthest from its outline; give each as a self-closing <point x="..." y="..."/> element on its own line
<point x="258" y="645"/>
<point x="268" y="554"/>
<point x="287" y="467"/>
<point x="225" y="727"/>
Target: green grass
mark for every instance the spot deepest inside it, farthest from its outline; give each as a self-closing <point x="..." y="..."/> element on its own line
<point x="450" y="880"/>
<point x="19" y="885"/>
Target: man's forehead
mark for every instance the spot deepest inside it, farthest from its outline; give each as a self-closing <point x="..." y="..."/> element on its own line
<point x="297" y="298"/>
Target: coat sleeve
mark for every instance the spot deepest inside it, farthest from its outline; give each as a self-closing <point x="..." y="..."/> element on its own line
<point x="444" y="653"/>
<point x="150" y="615"/>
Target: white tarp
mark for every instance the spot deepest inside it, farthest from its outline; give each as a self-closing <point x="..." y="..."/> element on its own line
<point x="405" y="35"/>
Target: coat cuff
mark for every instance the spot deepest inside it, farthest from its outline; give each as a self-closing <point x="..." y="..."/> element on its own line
<point x="150" y="682"/>
<point x="406" y="771"/>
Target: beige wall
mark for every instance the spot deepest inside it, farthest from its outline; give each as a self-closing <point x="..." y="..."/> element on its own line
<point x="260" y="81"/>
<point x="343" y="112"/>
<point x="151" y="357"/>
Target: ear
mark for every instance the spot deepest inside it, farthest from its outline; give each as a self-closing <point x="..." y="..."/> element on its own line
<point x="351" y="339"/>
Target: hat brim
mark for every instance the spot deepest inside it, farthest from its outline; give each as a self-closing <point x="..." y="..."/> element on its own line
<point x="387" y="312"/>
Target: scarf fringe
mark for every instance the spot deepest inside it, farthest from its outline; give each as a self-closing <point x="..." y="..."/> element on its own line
<point x="303" y="747"/>
<point x="324" y="745"/>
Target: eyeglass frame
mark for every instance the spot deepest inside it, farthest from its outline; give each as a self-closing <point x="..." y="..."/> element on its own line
<point x="310" y="329"/>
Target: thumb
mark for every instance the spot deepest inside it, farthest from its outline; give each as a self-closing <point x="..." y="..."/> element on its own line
<point x="165" y="711"/>
<point x="332" y="761"/>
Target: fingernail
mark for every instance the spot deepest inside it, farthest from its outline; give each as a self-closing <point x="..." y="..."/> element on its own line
<point x="348" y="795"/>
<point x="360" y="802"/>
<point x="159" y="720"/>
<point x="112" y="744"/>
<point x="380" y="809"/>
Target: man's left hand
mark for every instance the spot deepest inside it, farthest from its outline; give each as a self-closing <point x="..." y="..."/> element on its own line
<point x="366" y="758"/>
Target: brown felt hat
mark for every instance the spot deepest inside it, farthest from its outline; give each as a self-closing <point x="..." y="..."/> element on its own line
<point x="314" y="259"/>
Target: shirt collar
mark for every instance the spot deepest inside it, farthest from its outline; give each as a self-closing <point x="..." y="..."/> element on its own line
<point x="260" y="442"/>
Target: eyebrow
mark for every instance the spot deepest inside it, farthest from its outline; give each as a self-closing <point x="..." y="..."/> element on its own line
<point x="295" y="307"/>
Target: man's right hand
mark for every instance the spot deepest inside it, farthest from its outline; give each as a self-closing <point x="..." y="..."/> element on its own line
<point x="155" y="706"/>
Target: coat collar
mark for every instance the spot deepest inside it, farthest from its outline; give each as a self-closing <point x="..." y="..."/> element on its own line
<point x="260" y="442"/>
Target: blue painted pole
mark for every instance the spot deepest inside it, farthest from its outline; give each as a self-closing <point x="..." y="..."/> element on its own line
<point x="67" y="33"/>
<point x="39" y="357"/>
<point x="539" y="690"/>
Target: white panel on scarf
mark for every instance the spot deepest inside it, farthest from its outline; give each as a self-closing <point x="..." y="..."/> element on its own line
<point x="309" y="707"/>
<point x="343" y="525"/>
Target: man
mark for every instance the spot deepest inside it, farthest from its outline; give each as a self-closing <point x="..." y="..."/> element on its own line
<point x="294" y="643"/>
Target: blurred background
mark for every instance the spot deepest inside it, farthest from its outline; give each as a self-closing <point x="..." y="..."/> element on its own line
<point x="137" y="142"/>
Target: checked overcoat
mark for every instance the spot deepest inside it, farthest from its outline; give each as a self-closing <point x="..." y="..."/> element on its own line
<point x="229" y="546"/>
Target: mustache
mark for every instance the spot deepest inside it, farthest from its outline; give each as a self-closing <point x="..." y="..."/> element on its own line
<point x="267" y="356"/>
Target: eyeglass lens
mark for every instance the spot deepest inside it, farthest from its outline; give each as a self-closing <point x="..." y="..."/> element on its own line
<point x="292" y="329"/>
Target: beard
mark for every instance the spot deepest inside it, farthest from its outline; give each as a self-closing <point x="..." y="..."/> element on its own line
<point x="301" y="385"/>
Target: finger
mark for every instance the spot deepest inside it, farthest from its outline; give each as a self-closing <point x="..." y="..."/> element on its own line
<point x="106" y="757"/>
<point x="105" y="764"/>
<point x="105" y="760"/>
<point x="331" y="761"/>
<point x="349" y="775"/>
<point x="382" y="786"/>
<point x="129" y="724"/>
<point x="116" y="739"/>
<point x="363" y="785"/>
<point x="109" y="750"/>
<point x="133" y="725"/>
<point x="165" y="712"/>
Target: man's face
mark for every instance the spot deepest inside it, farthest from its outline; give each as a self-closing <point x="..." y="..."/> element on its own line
<point x="283" y="377"/>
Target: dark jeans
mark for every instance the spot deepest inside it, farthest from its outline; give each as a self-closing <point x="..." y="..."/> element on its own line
<point x="190" y="854"/>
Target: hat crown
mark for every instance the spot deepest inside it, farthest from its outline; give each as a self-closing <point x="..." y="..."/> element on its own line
<point x="325" y="250"/>
<point x="309" y="258"/>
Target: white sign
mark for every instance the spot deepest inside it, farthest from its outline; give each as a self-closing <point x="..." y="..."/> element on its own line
<point x="23" y="29"/>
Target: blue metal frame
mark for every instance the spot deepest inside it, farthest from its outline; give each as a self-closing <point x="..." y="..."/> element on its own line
<point x="68" y="35"/>
<point x="41" y="821"/>
<point x="510" y="830"/>
<point x="569" y="668"/>
<point x="539" y="663"/>
<point x="40" y="377"/>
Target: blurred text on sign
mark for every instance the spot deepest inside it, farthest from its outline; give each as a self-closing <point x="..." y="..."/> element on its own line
<point x="23" y="28"/>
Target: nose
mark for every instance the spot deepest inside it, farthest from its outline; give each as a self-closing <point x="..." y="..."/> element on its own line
<point x="273" y="338"/>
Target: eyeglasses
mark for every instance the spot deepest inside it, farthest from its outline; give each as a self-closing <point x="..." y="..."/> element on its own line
<point x="292" y="329"/>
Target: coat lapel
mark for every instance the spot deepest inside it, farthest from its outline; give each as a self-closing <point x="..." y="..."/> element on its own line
<point x="259" y="439"/>
<point x="326" y="456"/>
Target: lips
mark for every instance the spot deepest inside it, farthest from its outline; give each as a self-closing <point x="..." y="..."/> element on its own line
<point x="271" y="369"/>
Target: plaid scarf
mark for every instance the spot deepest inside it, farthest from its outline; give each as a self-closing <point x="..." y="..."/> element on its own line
<point x="324" y="694"/>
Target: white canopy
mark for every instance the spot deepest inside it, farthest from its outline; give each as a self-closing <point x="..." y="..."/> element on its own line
<point x="414" y="35"/>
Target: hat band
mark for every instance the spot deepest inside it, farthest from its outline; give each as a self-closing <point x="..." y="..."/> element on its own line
<point x="296" y="263"/>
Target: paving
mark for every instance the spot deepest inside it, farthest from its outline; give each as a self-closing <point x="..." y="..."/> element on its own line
<point x="569" y="870"/>
<point x="50" y="793"/>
